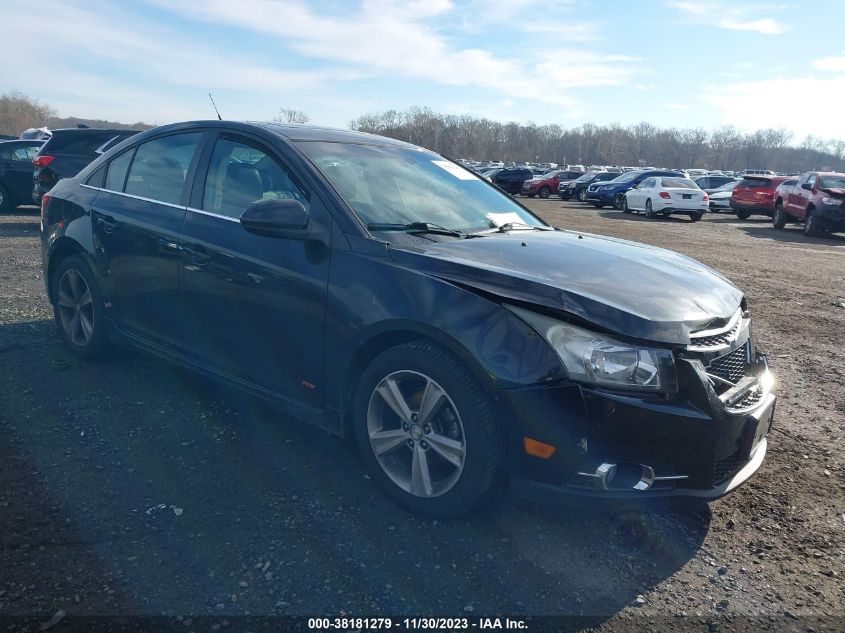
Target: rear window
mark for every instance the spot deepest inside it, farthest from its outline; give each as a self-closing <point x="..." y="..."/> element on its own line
<point x="678" y="183"/>
<point x="755" y="181"/>
<point x="84" y="142"/>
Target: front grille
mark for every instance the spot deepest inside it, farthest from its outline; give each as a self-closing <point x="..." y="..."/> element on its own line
<point x="717" y="340"/>
<point x="732" y="366"/>
<point x="749" y="400"/>
<point x="726" y="468"/>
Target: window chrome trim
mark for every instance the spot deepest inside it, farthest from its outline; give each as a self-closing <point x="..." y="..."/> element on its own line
<point x="101" y="149"/>
<point x="214" y="215"/>
<point x="134" y="197"/>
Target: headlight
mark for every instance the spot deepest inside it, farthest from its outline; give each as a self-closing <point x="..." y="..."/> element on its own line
<point x="598" y="359"/>
<point x="832" y="201"/>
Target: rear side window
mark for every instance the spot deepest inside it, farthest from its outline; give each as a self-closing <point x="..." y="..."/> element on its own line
<point x="117" y="171"/>
<point x="96" y="179"/>
<point x="159" y="168"/>
<point x="240" y="175"/>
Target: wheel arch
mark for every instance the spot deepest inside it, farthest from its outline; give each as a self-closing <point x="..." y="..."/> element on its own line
<point x="60" y="250"/>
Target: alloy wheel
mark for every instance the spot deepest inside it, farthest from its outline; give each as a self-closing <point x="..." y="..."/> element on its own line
<point x="416" y="433"/>
<point x="76" y="308"/>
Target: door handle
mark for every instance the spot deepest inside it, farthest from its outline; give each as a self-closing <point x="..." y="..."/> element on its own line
<point x="107" y="223"/>
<point x="197" y="257"/>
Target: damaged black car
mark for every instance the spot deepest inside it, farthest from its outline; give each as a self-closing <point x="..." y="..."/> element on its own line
<point x="387" y="294"/>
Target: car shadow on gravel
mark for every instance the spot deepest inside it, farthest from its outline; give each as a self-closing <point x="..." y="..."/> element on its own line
<point x="794" y="234"/>
<point x="639" y="217"/>
<point x="152" y="490"/>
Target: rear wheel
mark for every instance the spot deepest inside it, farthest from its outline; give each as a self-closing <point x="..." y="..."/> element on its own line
<point x="427" y="430"/>
<point x="649" y="212"/>
<point x="811" y="228"/>
<point x="582" y="195"/>
<point x="695" y="217"/>
<point x="743" y="215"/>
<point x="5" y="200"/>
<point x="78" y="308"/>
<point x="779" y="217"/>
<point x="545" y="192"/>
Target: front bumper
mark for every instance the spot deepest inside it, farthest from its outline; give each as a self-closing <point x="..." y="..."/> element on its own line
<point x="693" y="445"/>
<point x="602" y="197"/>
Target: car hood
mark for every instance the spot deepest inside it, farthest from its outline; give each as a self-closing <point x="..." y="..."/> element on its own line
<point x="632" y="289"/>
<point x="839" y="192"/>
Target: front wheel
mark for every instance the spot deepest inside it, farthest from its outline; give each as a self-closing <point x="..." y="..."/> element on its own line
<point x="545" y="192"/>
<point x="617" y="201"/>
<point x="649" y="212"/>
<point x="78" y="308"/>
<point x="427" y="431"/>
<point x="779" y="217"/>
<point x="582" y="195"/>
<point x="811" y="224"/>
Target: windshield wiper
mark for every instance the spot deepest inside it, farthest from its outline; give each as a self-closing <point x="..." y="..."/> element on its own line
<point x="511" y="226"/>
<point x="415" y="227"/>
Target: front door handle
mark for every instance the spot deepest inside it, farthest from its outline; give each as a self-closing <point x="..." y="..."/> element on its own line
<point x="107" y="224"/>
<point x="196" y="257"/>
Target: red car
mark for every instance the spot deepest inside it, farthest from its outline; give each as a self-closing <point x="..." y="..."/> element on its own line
<point x="546" y="184"/>
<point x="755" y="195"/>
<point x="818" y="199"/>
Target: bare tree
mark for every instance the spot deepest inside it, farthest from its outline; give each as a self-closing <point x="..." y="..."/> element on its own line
<point x="19" y="112"/>
<point x="290" y="115"/>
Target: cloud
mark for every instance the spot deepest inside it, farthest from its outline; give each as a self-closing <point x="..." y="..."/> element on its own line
<point x="830" y="64"/>
<point x="782" y="102"/>
<point x="677" y="106"/>
<point x="731" y="17"/>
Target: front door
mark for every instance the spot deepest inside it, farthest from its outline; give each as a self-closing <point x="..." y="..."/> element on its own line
<point x="254" y="305"/>
<point x="137" y="216"/>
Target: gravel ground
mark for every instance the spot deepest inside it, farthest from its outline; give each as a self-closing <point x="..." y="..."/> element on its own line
<point x="132" y="487"/>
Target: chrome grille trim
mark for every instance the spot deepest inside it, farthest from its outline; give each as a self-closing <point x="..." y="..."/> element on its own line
<point x="721" y="337"/>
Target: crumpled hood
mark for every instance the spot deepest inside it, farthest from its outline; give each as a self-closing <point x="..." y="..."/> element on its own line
<point x="839" y="192"/>
<point x="629" y="288"/>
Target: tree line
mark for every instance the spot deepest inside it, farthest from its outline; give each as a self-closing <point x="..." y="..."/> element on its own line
<point x="465" y="136"/>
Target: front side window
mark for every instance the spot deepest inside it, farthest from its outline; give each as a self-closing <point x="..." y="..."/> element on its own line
<point x="240" y="175"/>
<point x="398" y="185"/>
<point x="811" y="180"/>
<point x="159" y="168"/>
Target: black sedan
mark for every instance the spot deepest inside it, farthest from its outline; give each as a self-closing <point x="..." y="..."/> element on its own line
<point x="16" y="171"/>
<point x="385" y="293"/>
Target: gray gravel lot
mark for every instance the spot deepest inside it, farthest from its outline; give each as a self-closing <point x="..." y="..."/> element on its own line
<point x="130" y="487"/>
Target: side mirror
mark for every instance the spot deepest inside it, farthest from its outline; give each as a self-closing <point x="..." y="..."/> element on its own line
<point x="277" y="218"/>
<point x="807" y="186"/>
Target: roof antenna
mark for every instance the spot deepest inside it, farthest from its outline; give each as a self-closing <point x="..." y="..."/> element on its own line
<point x="219" y="118"/>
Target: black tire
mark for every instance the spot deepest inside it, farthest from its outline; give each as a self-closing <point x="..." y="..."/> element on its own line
<point x="695" y="217"/>
<point x="743" y="215"/>
<point x="779" y="217"/>
<point x="811" y="224"/>
<point x="649" y="213"/>
<point x="582" y="195"/>
<point x="545" y="192"/>
<point x="625" y="208"/>
<point x="97" y="342"/>
<point x="617" y="201"/>
<point x="597" y="205"/>
<point x="5" y="200"/>
<point x="483" y="472"/>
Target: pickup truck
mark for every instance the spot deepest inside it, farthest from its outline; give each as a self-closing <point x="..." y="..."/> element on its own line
<point x="818" y="200"/>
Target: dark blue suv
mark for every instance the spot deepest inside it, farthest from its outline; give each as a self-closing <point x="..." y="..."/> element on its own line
<point x="613" y="192"/>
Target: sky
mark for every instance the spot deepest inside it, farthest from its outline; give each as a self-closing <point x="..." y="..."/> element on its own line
<point x="678" y="63"/>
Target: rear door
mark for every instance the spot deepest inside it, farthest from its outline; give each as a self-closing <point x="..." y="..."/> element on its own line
<point x="17" y="170"/>
<point x="137" y="216"/>
<point x="254" y="305"/>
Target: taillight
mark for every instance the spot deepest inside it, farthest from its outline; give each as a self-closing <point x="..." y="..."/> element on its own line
<point x="43" y="161"/>
<point x="665" y="194"/>
<point x="45" y="200"/>
<point x="706" y="197"/>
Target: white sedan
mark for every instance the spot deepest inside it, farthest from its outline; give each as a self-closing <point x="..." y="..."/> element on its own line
<point x="720" y="199"/>
<point x="662" y="195"/>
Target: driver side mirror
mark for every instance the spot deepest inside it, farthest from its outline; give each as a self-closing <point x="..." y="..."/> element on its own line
<point x="807" y="186"/>
<point x="277" y="218"/>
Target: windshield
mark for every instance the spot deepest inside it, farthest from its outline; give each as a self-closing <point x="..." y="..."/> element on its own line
<point x="396" y="185"/>
<point x="832" y="182"/>
<point x="629" y="177"/>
